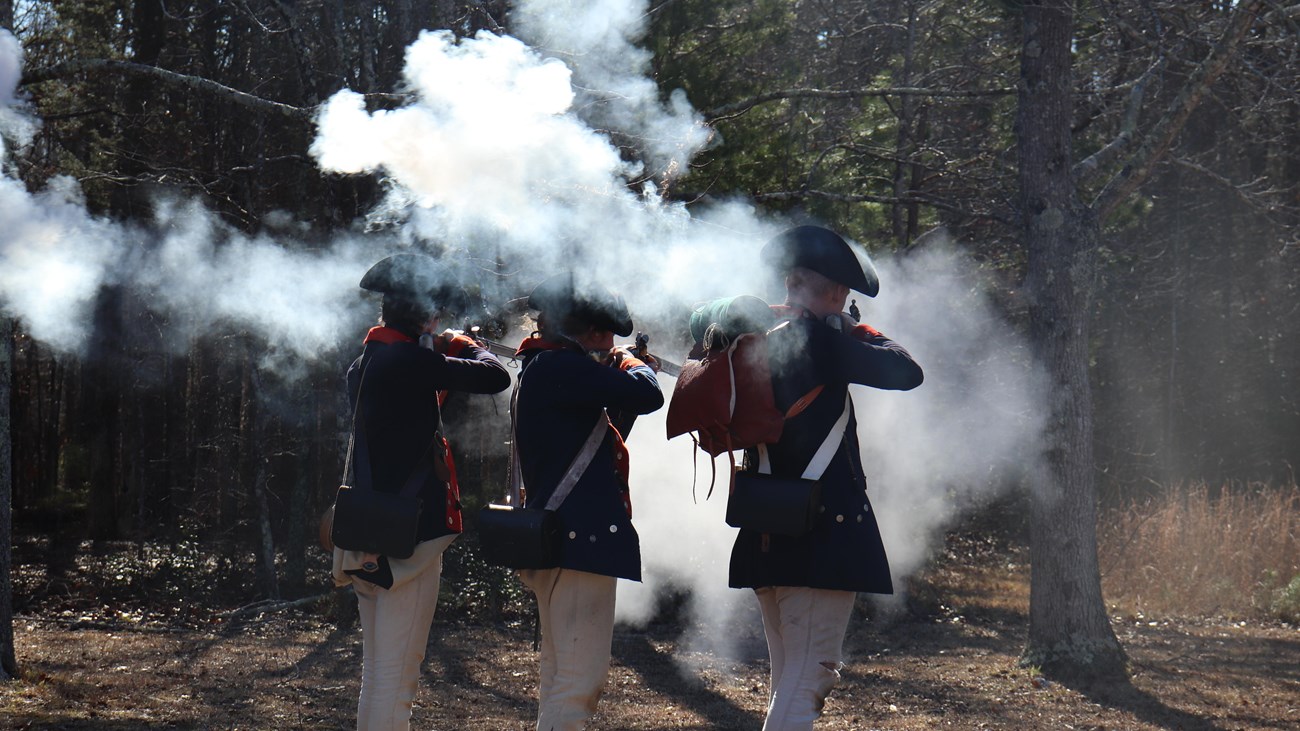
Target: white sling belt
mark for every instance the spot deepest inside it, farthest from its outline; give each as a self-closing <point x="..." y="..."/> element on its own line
<point x="571" y="476"/>
<point x="824" y="454"/>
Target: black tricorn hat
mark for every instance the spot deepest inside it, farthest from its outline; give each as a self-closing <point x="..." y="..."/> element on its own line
<point x="825" y="252"/>
<point x="419" y="278"/>
<point x="594" y="304"/>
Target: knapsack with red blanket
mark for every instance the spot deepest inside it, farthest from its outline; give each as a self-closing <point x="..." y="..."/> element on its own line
<point x="724" y="393"/>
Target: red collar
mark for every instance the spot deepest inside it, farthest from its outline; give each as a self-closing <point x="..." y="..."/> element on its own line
<point x="387" y="336"/>
<point x="534" y="343"/>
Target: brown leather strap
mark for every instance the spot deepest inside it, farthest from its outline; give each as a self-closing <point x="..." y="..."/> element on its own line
<point x="798" y="406"/>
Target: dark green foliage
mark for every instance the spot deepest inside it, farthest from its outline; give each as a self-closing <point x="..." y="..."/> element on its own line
<point x="866" y="162"/>
<point x="473" y="589"/>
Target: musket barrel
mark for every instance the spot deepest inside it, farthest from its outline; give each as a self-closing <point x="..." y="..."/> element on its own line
<point x="669" y="367"/>
<point x="501" y="350"/>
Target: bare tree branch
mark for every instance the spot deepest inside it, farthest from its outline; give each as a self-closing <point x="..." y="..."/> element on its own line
<point x="740" y="107"/>
<point x="1283" y="12"/>
<point x="1248" y="193"/>
<point x="914" y="198"/>
<point x="274" y="605"/>
<point x="744" y="105"/>
<point x="196" y="83"/>
<point x="1128" y="128"/>
<point x="1163" y="133"/>
<point x="171" y="78"/>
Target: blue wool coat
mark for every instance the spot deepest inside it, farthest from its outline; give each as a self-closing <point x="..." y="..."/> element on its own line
<point x="562" y="393"/>
<point x="843" y="551"/>
<point x="399" y="412"/>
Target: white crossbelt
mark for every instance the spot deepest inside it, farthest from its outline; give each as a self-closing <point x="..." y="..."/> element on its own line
<point x="821" y="459"/>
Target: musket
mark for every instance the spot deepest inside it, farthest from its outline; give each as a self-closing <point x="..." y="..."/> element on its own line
<point x="641" y="349"/>
<point x="500" y="350"/>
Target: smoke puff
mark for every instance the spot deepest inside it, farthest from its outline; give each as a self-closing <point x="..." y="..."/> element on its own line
<point x="188" y="265"/>
<point x="972" y="430"/>
<point x="486" y="141"/>
<point x="599" y="41"/>
<point x="14" y="124"/>
<point x="53" y="260"/>
<point x="490" y="161"/>
<point x="300" y="302"/>
<point x="11" y="66"/>
<point x="56" y="258"/>
<point x="486" y="78"/>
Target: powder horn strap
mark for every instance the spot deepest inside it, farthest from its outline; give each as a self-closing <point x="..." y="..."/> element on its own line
<point x="518" y="492"/>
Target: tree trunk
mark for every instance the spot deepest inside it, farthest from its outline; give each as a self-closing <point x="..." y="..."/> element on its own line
<point x="267" y="542"/>
<point x="8" y="660"/>
<point x="100" y="415"/>
<point x="147" y="39"/>
<point x="1069" y="632"/>
<point x="904" y="148"/>
<point x="254" y="473"/>
<point x="1171" y="450"/>
<point x="294" y="576"/>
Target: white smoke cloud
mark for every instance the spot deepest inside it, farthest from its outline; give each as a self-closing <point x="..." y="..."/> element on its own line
<point x="492" y="158"/>
<point x="972" y="430"/>
<point x="486" y="142"/>
<point x="53" y="260"/>
<point x="15" y="125"/>
<point x="300" y="302"/>
<point x="599" y="41"/>
<point x="56" y="258"/>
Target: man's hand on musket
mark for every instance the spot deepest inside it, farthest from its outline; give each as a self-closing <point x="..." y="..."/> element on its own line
<point x="442" y="342"/>
<point x="619" y="352"/>
<point x="642" y="350"/>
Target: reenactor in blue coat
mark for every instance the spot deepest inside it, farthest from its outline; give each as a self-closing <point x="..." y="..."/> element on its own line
<point x="395" y="388"/>
<point x="575" y="386"/>
<point x="806" y="585"/>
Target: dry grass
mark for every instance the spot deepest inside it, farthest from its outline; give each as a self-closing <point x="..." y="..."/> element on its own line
<point x="1228" y="551"/>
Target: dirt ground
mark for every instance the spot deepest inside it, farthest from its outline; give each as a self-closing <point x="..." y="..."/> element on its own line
<point x="946" y="659"/>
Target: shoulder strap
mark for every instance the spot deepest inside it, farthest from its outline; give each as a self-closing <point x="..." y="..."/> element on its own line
<point x="826" y="452"/>
<point x="579" y="463"/>
<point x="518" y="492"/>
<point x="821" y="459"/>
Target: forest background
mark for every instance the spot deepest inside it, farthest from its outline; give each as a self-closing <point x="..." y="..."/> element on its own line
<point x="901" y="124"/>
